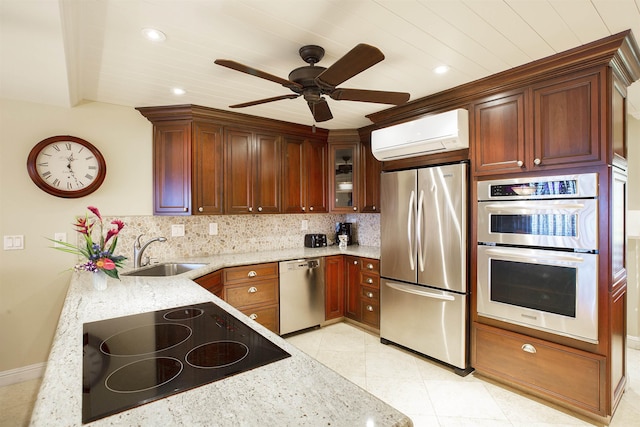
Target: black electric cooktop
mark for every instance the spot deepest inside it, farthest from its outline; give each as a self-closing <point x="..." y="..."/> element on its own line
<point x="132" y="360"/>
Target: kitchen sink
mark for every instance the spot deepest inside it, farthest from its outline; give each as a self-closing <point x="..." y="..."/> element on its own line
<point x="166" y="269"/>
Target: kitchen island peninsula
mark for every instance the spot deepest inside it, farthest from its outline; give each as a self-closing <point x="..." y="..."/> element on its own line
<point x="296" y="390"/>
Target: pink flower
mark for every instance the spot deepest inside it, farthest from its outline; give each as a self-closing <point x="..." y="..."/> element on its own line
<point x="105" y="263"/>
<point x="95" y="211"/>
<point x="114" y="232"/>
<point x="82" y="225"/>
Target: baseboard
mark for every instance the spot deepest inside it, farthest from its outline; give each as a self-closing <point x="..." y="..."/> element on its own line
<point x="633" y="342"/>
<point x="21" y="374"/>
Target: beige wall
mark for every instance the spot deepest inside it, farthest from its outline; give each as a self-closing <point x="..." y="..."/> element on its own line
<point x="633" y="284"/>
<point x="33" y="281"/>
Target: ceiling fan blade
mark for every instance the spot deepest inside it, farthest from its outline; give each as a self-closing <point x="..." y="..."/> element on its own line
<point x="320" y="111"/>
<point x="354" y="62"/>
<point x="377" y="96"/>
<point x="255" y="72"/>
<point x="264" y="101"/>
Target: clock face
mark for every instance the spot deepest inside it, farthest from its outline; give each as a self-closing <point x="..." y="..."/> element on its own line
<point x="66" y="166"/>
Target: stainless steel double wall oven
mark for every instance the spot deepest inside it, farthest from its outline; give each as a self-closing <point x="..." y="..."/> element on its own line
<point x="538" y="253"/>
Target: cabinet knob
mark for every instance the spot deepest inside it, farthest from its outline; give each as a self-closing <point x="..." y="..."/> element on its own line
<point x="355" y="262"/>
<point x="519" y="163"/>
<point x="303" y="209"/>
<point x="250" y="209"/>
<point x="200" y="209"/>
<point x="369" y="280"/>
<point x="369" y="308"/>
<point x="536" y="162"/>
<point x="185" y="209"/>
<point x="370" y="294"/>
<point x="373" y="207"/>
<point x="252" y="290"/>
<point x="310" y="208"/>
<point x="355" y="208"/>
<point x="253" y="316"/>
<point x="370" y="266"/>
<point x="529" y="348"/>
<point x="259" y="208"/>
<point x="252" y="273"/>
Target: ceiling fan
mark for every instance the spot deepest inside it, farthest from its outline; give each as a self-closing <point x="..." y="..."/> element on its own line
<point x="312" y="82"/>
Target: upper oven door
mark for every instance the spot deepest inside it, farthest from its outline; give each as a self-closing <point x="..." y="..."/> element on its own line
<point x="566" y="223"/>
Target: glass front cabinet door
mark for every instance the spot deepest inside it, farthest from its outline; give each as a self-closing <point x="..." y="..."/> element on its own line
<point x="344" y="176"/>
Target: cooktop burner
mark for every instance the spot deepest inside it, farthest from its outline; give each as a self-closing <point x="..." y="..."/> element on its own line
<point x="132" y="360"/>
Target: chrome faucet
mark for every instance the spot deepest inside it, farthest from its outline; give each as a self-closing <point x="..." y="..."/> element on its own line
<point x="138" y="250"/>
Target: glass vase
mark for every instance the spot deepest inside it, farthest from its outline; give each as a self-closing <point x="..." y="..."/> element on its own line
<point x="100" y="280"/>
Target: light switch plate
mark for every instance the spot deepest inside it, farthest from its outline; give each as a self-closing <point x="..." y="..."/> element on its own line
<point x="213" y="228"/>
<point x="305" y="225"/>
<point x="177" y="230"/>
<point x="12" y="243"/>
<point x="61" y="237"/>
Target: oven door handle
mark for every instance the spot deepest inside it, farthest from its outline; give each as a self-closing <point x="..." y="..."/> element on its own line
<point x="557" y="256"/>
<point x="532" y="207"/>
<point x="412" y="290"/>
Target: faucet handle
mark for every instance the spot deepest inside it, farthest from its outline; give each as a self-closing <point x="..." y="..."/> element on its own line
<point x="137" y="243"/>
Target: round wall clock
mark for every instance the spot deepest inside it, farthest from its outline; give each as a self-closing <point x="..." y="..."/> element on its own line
<point x="66" y="166"/>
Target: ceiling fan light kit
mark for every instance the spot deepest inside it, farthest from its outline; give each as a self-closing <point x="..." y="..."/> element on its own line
<point x="312" y="82"/>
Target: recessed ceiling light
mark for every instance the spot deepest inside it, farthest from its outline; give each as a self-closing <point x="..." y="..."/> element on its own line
<point x="178" y="91"/>
<point x="441" y="69"/>
<point x="153" y="35"/>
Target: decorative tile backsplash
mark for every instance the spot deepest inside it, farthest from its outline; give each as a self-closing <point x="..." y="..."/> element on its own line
<point x="236" y="233"/>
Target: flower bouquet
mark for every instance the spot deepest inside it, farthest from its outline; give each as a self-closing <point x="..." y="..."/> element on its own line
<point x="100" y="252"/>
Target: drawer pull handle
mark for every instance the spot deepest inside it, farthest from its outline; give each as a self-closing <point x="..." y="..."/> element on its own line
<point x="370" y="294"/>
<point x="252" y="290"/>
<point x="253" y="316"/>
<point x="369" y="280"/>
<point x="370" y="266"/>
<point x="529" y="348"/>
<point x="369" y="308"/>
<point x="252" y="273"/>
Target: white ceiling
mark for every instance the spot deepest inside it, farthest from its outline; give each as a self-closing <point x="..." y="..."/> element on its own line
<point x="64" y="52"/>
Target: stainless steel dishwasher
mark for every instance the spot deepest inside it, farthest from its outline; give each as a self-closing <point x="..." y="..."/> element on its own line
<point x="301" y="294"/>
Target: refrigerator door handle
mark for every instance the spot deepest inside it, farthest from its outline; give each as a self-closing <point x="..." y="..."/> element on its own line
<point x="419" y="231"/>
<point x="413" y="290"/>
<point x="410" y="217"/>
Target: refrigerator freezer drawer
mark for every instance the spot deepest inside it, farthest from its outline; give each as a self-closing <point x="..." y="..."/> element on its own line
<point x="429" y="321"/>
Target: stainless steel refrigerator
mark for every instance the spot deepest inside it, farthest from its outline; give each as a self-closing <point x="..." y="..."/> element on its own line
<point x="423" y="262"/>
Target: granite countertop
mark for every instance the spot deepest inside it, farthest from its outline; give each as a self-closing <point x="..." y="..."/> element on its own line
<point x="295" y="391"/>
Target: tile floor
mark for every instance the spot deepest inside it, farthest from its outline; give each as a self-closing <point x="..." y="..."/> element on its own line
<point x="430" y="394"/>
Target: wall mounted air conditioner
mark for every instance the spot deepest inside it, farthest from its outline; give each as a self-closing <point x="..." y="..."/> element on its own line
<point x="430" y="134"/>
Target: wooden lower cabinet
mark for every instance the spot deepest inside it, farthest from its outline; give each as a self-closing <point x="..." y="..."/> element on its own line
<point x="254" y="290"/>
<point x="568" y="376"/>
<point x="334" y="287"/>
<point x="213" y="283"/>
<point x="362" y="299"/>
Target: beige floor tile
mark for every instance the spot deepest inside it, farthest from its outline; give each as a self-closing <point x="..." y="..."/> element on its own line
<point x="463" y="399"/>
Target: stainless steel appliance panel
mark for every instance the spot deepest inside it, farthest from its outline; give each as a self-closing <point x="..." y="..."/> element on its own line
<point x="426" y="320"/>
<point x="398" y="249"/>
<point x="546" y="187"/>
<point x="442" y="227"/>
<point x="301" y="294"/>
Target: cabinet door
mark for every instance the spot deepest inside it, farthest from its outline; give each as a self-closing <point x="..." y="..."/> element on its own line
<point x="315" y="174"/>
<point x="207" y="169"/>
<point x="352" y="297"/>
<point x="567" y="122"/>
<point x="267" y="174"/>
<point x="343" y="178"/>
<point x="238" y="183"/>
<point x="212" y="282"/>
<point x="293" y="176"/>
<point x="334" y="287"/>
<point x="499" y="135"/>
<point x="172" y="168"/>
<point x="370" y="182"/>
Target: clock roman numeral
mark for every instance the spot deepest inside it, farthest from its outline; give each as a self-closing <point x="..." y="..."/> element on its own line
<point x="93" y="167"/>
<point x="56" y="182"/>
<point x="69" y="186"/>
<point x="68" y="145"/>
<point x="46" y="174"/>
<point x="88" y="158"/>
<point x="89" y="176"/>
<point x="43" y="164"/>
<point x="55" y="147"/>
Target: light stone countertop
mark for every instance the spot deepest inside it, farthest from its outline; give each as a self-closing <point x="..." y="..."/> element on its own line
<point x="296" y="391"/>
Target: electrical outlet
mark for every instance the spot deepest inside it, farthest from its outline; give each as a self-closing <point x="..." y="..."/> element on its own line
<point x="213" y="228"/>
<point x="177" y="230"/>
<point x="12" y="243"/>
<point x="61" y="237"/>
<point x="305" y="225"/>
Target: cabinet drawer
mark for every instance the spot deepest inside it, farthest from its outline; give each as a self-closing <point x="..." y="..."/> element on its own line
<point x="563" y="373"/>
<point x="370" y="265"/>
<point x="251" y="294"/>
<point x="252" y="273"/>
<point x="370" y="294"/>
<point x="267" y="316"/>
<point x="369" y="279"/>
<point x="370" y="312"/>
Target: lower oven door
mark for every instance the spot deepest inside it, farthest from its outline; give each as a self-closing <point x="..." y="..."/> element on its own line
<point x="548" y="290"/>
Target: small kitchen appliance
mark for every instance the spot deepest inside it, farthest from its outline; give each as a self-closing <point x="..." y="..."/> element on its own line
<point x="344" y="229"/>
<point x="315" y="240"/>
<point x="132" y="360"/>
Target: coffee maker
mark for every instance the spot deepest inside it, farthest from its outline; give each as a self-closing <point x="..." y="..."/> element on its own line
<point x="344" y="229"/>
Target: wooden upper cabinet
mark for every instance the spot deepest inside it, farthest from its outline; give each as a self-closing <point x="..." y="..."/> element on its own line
<point x="172" y="168"/>
<point x="252" y="172"/>
<point x="344" y="183"/>
<point x="566" y="117"/>
<point x="207" y="169"/>
<point x="370" y="180"/>
<point x="305" y="176"/>
<point x="498" y="139"/>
